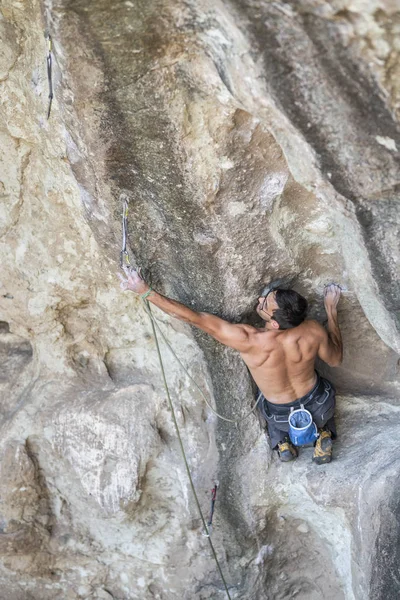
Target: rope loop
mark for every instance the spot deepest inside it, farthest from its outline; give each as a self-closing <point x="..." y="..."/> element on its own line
<point x="206" y="529"/>
<point x="234" y="421"/>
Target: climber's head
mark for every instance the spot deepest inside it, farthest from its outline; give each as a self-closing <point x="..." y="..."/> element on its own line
<point x="282" y="309"/>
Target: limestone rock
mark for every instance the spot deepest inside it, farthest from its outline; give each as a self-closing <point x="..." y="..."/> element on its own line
<point x="253" y="140"/>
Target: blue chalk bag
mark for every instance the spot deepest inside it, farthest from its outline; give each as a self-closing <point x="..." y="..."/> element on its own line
<point x="302" y="429"/>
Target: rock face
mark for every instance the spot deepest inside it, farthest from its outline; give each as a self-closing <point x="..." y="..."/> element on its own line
<point x="253" y="140"/>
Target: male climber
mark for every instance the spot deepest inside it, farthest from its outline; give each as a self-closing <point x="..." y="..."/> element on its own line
<point x="280" y="357"/>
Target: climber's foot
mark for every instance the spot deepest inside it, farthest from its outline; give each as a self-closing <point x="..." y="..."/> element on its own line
<point x="323" y="448"/>
<point x="286" y="450"/>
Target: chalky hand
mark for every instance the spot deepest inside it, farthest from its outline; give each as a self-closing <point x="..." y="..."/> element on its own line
<point x="134" y="282"/>
<point x="331" y="295"/>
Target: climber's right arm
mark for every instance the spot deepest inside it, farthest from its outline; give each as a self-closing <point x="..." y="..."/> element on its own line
<point x="331" y="345"/>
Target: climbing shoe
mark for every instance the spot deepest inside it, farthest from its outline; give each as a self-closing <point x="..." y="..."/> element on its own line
<point x="286" y="450"/>
<point x="323" y="448"/>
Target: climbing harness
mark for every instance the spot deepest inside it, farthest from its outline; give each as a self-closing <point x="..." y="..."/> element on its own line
<point x="49" y="73"/>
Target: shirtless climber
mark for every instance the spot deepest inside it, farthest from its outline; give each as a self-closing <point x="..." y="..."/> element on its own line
<point x="280" y="357"/>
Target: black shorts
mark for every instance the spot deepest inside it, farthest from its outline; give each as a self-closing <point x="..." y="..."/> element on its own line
<point x="320" y="401"/>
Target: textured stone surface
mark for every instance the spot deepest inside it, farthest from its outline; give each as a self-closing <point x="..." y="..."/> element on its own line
<point x="253" y="140"/>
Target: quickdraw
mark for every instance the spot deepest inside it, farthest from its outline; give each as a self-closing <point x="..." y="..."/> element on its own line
<point x="124" y="256"/>
<point x="49" y="73"/>
<point x="213" y="499"/>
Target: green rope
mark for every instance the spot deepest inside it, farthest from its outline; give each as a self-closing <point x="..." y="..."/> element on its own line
<point x="148" y="309"/>
<point x="144" y="296"/>
<point x="235" y="421"/>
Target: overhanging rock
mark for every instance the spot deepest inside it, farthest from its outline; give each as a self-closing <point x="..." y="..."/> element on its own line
<point x="252" y="140"/>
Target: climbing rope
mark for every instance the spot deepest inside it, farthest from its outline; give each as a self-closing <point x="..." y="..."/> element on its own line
<point x="206" y="528"/>
<point x="124" y="261"/>
<point x="234" y="421"/>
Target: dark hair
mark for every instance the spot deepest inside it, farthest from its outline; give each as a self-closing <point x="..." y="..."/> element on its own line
<point x="292" y="309"/>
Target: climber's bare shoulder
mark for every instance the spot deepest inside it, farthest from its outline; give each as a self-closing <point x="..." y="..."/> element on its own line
<point x="304" y="340"/>
<point x="266" y="347"/>
<point x="282" y="361"/>
<point x="269" y="347"/>
<point x="261" y="343"/>
<point x="313" y="331"/>
<point x="310" y="327"/>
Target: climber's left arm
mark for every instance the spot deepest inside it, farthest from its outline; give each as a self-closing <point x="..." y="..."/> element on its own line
<point x="229" y="334"/>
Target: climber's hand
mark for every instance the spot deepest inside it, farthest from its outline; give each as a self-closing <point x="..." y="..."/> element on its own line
<point x="134" y="282"/>
<point x="331" y="296"/>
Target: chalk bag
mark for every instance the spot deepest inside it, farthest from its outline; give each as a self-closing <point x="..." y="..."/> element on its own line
<point x="302" y="429"/>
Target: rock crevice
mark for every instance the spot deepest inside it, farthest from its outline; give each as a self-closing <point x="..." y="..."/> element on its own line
<point x="253" y="141"/>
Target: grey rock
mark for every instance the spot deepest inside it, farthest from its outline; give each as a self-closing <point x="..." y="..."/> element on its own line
<point x="254" y="141"/>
